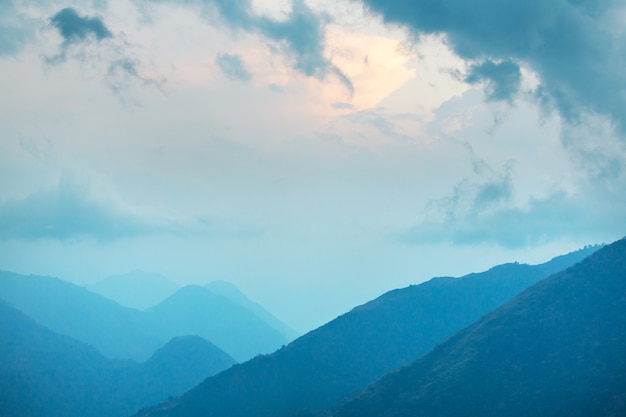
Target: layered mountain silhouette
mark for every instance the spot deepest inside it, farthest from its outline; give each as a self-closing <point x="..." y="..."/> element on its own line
<point x="557" y="349"/>
<point x="356" y="349"/>
<point x="116" y="331"/>
<point x="230" y="291"/>
<point x="46" y="374"/>
<point x="124" y="333"/>
<point x="142" y="290"/>
<point x="196" y="310"/>
<point x="136" y="289"/>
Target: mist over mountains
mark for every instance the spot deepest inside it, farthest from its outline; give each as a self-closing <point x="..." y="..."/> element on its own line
<point x="354" y="350"/>
<point x="136" y="289"/>
<point x="516" y="339"/>
<point x="91" y="318"/>
<point x="43" y="373"/>
<point x="142" y="290"/>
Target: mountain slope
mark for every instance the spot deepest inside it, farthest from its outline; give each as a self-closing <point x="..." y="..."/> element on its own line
<point x="123" y="333"/>
<point x="183" y="363"/>
<point x="558" y="349"/>
<point x="235" y="329"/>
<point x="357" y="348"/>
<point x="46" y="374"/>
<point x="230" y="291"/>
<point x="136" y="289"/>
<point x="65" y="308"/>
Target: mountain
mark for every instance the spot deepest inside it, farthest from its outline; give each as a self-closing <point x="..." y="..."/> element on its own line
<point x="356" y="349"/>
<point x="230" y="291"/>
<point x="557" y="349"/>
<point x="182" y="363"/>
<point x="123" y="333"/>
<point x="65" y="308"/>
<point x="136" y="289"/>
<point x="46" y="374"/>
<point x="196" y="310"/>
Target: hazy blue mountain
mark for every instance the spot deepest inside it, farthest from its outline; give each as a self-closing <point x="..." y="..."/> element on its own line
<point x="136" y="289"/>
<point x="65" y="308"/>
<point x="359" y="347"/>
<point x="184" y="362"/>
<point x="233" y="293"/>
<point x="196" y="310"/>
<point x="558" y="350"/>
<point x="123" y="333"/>
<point x="44" y="374"/>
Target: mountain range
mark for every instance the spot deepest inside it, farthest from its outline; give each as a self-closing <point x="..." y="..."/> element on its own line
<point x="141" y="290"/>
<point x="557" y="349"/>
<point x="44" y="374"/>
<point x="124" y="333"/>
<point x="354" y="350"/>
<point x="196" y="310"/>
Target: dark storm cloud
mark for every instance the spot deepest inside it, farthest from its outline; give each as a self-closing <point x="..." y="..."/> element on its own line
<point x="75" y="28"/>
<point x="233" y="67"/>
<point x="577" y="47"/>
<point x="503" y="78"/>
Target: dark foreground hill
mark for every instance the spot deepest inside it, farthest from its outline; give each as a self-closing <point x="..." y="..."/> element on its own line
<point x="44" y="374"/>
<point x="359" y="347"/>
<point x="556" y="350"/>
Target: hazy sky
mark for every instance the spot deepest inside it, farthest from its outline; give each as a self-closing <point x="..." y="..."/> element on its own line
<point x="314" y="153"/>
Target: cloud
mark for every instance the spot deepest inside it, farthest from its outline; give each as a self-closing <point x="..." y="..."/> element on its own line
<point x="15" y="28"/>
<point x="113" y="61"/>
<point x="75" y="209"/>
<point x="377" y="124"/>
<point x="300" y="36"/>
<point x="122" y="72"/>
<point x="543" y="220"/>
<point x="342" y="106"/>
<point x="576" y="47"/>
<point x="503" y="78"/>
<point x="233" y="67"/>
<point x="76" y="28"/>
<point x="485" y="210"/>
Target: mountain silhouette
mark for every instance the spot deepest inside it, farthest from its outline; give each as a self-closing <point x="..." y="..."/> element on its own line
<point x="354" y="350"/>
<point x="136" y="289"/>
<point x="234" y="294"/>
<point x="116" y="331"/>
<point x="557" y="349"/>
<point x="196" y="310"/>
<point x="44" y="374"/>
<point x="142" y="290"/>
<point x="124" y="333"/>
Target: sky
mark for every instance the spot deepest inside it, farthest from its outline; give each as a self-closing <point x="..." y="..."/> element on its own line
<point x="314" y="153"/>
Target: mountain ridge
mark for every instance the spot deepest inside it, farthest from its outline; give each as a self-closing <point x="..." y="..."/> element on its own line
<point x="68" y="309"/>
<point x="45" y="374"/>
<point x="354" y="350"/>
<point x="554" y="350"/>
